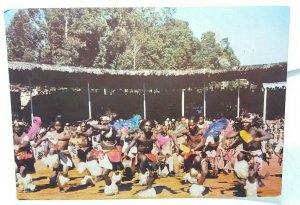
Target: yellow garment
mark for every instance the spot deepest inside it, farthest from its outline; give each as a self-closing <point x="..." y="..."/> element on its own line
<point x="184" y="148"/>
<point x="246" y="136"/>
<point x="75" y="140"/>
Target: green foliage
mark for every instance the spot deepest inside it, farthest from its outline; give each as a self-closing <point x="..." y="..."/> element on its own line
<point x="115" y="38"/>
<point x="22" y="38"/>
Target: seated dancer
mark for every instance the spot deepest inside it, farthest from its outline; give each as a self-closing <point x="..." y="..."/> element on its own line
<point x="58" y="158"/>
<point x="251" y="137"/>
<point x="23" y="158"/>
<point x="111" y="159"/>
<point x="147" y="162"/>
<point x="86" y="154"/>
<point x="202" y="123"/>
<point x="194" y="160"/>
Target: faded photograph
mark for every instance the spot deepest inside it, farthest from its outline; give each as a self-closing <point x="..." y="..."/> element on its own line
<point x="140" y="102"/>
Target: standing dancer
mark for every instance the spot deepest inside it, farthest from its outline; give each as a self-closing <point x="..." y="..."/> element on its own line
<point x="251" y="137"/>
<point x="23" y="157"/>
<point x="144" y="139"/>
<point x="86" y="154"/>
<point x="58" y="157"/>
<point x="111" y="159"/>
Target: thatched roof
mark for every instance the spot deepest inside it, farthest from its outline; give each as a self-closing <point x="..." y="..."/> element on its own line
<point x="280" y="85"/>
<point x="71" y="76"/>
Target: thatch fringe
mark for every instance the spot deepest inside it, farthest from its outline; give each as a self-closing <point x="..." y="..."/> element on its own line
<point x="99" y="71"/>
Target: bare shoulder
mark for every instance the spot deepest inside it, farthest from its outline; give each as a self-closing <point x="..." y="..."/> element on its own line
<point x="199" y="131"/>
<point x="153" y="137"/>
<point x="137" y="136"/>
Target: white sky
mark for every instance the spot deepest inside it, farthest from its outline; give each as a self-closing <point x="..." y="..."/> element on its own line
<point x="258" y="35"/>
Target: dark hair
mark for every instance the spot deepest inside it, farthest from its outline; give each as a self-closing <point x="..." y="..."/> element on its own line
<point x="194" y="118"/>
<point x="142" y="124"/>
<point x="201" y="116"/>
<point x="59" y="119"/>
<point x="85" y="124"/>
<point x="20" y="125"/>
<point x="237" y="124"/>
<point x="257" y="122"/>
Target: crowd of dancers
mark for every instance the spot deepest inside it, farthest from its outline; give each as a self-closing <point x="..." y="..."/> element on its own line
<point x="116" y="150"/>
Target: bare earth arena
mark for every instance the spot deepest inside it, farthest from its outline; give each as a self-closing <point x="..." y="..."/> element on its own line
<point x="169" y="187"/>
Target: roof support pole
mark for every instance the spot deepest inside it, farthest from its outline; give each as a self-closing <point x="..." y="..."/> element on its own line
<point x="31" y="103"/>
<point x="144" y="101"/>
<point x="89" y="102"/>
<point x="204" y="101"/>
<point x="238" y="99"/>
<point x="182" y="102"/>
<point x="265" y="103"/>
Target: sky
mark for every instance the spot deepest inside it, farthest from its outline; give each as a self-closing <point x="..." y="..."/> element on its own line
<point x="258" y="35"/>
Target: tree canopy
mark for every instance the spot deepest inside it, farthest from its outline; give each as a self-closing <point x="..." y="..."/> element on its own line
<point x="114" y="38"/>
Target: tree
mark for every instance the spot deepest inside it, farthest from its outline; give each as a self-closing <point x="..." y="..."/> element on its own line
<point x="213" y="55"/>
<point x="22" y="38"/>
<point x="72" y="36"/>
<point x="114" y="38"/>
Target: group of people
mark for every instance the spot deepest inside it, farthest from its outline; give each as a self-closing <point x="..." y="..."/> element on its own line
<point x="193" y="149"/>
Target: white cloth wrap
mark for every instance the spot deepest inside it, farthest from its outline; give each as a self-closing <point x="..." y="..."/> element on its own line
<point x="164" y="172"/>
<point x="211" y="153"/>
<point x="187" y="178"/>
<point x="251" y="189"/>
<point x="27" y="183"/>
<point x="105" y="163"/>
<point x="81" y="167"/>
<point x="170" y="162"/>
<point x="94" y="167"/>
<point x="258" y="158"/>
<point x="209" y="139"/>
<point x="110" y="190"/>
<point x="241" y="169"/>
<point x="148" y="193"/>
<point x="132" y="152"/>
<point x="143" y="178"/>
<point x="197" y="190"/>
<point x="51" y="160"/>
<point x="87" y="179"/>
<point x="116" y="178"/>
<point x="279" y="146"/>
<point x="62" y="180"/>
<point x="67" y="162"/>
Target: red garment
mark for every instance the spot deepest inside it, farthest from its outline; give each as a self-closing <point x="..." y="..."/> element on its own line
<point x="114" y="155"/>
<point x="151" y="157"/>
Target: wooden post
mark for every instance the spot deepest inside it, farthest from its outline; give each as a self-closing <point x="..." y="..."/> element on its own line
<point x="182" y="102"/>
<point x="144" y="101"/>
<point x="89" y="102"/>
<point x="238" y="99"/>
<point x="204" y="101"/>
<point x="31" y="103"/>
<point x="265" y="103"/>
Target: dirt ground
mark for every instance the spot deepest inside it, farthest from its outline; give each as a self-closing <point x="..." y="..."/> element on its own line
<point x="169" y="187"/>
